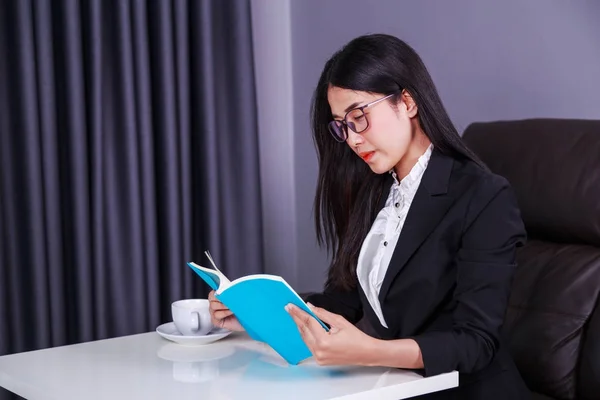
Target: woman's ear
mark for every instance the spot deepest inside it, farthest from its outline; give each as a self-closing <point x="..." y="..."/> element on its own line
<point x="409" y="102"/>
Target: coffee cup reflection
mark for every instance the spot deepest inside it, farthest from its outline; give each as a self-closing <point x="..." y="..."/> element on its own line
<point x="194" y="364"/>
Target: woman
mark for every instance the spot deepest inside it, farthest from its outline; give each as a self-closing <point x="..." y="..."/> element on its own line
<point x="423" y="236"/>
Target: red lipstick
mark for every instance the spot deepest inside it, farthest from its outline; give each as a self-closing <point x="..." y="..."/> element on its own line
<point x="366" y="155"/>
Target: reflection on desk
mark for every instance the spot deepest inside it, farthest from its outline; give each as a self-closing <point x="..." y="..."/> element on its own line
<point x="149" y="367"/>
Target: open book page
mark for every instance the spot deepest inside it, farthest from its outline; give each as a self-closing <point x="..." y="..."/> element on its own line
<point x="224" y="281"/>
<point x="214" y="278"/>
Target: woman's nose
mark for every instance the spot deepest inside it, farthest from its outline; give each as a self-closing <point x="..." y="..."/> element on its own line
<point x="354" y="139"/>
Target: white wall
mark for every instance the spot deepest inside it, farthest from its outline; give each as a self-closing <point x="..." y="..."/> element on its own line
<point x="271" y="26"/>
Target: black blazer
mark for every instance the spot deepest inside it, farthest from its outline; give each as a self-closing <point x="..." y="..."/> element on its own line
<point x="449" y="278"/>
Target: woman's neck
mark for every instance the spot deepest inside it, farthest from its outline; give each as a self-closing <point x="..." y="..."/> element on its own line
<point x="415" y="150"/>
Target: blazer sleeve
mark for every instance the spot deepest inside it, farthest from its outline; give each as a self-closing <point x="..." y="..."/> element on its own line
<point x="339" y="301"/>
<point x="485" y="267"/>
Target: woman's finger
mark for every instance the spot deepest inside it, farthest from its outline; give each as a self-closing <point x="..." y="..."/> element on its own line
<point x="218" y="322"/>
<point x="328" y="317"/>
<point x="222" y="314"/>
<point x="217" y="305"/>
<point x="303" y="325"/>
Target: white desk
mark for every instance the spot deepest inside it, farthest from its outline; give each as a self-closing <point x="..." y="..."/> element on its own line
<point x="149" y="367"/>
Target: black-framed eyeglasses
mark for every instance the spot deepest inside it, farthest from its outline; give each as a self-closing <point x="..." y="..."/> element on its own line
<point x="354" y="119"/>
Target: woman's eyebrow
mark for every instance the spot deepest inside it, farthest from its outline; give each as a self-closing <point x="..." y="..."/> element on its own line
<point x="350" y="107"/>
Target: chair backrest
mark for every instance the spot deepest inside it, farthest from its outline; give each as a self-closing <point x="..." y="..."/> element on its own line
<point x="552" y="326"/>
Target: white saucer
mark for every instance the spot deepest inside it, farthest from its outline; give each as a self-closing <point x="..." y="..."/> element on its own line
<point x="170" y="332"/>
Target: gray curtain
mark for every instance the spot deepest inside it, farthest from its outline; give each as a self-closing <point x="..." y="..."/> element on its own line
<point x="128" y="146"/>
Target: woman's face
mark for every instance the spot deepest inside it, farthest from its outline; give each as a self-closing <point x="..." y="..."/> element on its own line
<point x="390" y="130"/>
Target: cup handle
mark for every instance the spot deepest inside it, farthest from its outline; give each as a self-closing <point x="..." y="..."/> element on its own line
<point x="205" y="322"/>
<point x="195" y="321"/>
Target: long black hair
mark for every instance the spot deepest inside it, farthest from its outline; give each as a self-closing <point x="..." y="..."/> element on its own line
<point x="348" y="192"/>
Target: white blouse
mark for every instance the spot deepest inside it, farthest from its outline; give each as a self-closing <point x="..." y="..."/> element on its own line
<point x="379" y="245"/>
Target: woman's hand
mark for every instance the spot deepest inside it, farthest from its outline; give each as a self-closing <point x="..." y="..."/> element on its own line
<point x="344" y="344"/>
<point x="222" y="316"/>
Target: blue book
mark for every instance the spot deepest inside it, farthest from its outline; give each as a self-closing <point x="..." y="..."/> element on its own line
<point x="258" y="302"/>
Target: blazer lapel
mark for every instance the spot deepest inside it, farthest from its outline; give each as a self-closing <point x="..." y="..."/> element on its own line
<point x="430" y="204"/>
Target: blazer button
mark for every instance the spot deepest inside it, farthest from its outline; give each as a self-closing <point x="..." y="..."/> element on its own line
<point x="385" y="243"/>
<point x="397" y="205"/>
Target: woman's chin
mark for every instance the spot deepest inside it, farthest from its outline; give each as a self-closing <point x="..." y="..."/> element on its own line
<point x="380" y="168"/>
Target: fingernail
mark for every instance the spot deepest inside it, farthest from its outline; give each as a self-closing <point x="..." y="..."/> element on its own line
<point x="287" y="307"/>
<point x="310" y="305"/>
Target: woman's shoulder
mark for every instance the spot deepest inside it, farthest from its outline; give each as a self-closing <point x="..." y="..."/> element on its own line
<point x="492" y="208"/>
<point x="482" y="186"/>
<point x="480" y="177"/>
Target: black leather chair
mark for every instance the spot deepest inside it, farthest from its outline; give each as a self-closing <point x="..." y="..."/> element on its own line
<point x="552" y="326"/>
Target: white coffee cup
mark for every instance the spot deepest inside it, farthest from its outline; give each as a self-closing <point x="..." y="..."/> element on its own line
<point x="192" y="317"/>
